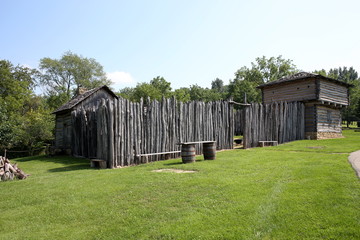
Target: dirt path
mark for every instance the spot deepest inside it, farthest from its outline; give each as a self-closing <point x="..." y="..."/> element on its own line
<point x="354" y="159"/>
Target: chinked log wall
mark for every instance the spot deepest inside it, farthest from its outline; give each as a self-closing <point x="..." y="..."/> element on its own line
<point x="282" y="122"/>
<point x="118" y="130"/>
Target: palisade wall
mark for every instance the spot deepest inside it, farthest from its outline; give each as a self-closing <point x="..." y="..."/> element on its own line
<point x="117" y="130"/>
<point x="282" y="122"/>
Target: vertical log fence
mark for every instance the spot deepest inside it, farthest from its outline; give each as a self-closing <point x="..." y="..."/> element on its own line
<point x="118" y="130"/>
<point x="282" y="122"/>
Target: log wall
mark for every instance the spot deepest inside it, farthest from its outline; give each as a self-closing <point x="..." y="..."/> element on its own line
<point x="328" y="119"/>
<point x="282" y="122"/>
<point x="332" y="92"/>
<point x="63" y="130"/>
<point x="117" y="130"/>
<point x="290" y="91"/>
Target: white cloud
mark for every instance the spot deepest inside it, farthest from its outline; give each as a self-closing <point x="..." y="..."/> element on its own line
<point x="120" y="78"/>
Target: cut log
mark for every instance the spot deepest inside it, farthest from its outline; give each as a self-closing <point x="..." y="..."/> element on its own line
<point x="9" y="171"/>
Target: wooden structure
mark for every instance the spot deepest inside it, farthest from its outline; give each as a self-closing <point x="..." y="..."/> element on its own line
<point x="100" y="125"/>
<point x="323" y="98"/>
<point x="63" y="121"/>
<point x="268" y="143"/>
<point x="280" y="122"/>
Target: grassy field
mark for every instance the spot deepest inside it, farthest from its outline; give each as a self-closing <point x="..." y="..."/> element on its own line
<point x="299" y="190"/>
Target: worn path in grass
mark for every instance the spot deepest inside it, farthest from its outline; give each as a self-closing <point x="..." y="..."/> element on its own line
<point x="354" y="159"/>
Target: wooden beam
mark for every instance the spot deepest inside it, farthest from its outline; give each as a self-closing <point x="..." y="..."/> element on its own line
<point x="241" y="104"/>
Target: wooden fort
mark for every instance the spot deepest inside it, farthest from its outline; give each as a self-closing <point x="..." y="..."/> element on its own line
<point x="115" y="132"/>
<point x="323" y="98"/>
<point x="63" y="121"/>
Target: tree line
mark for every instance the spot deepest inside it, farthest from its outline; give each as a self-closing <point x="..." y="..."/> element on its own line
<point x="26" y="122"/>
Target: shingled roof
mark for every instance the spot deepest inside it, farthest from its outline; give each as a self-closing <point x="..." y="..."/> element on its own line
<point x="79" y="98"/>
<point x="301" y="76"/>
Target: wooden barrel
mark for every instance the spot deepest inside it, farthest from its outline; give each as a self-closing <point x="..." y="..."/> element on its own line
<point x="209" y="150"/>
<point x="188" y="153"/>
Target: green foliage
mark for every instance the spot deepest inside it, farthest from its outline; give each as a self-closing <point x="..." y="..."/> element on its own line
<point x="162" y="86"/>
<point x="217" y="85"/>
<point x="25" y="121"/>
<point x="155" y="90"/>
<point x="62" y="76"/>
<point x="262" y="71"/>
<point x="293" y="191"/>
<point x="182" y="94"/>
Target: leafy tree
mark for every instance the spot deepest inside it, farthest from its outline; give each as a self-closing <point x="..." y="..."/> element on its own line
<point x="198" y="93"/>
<point x="162" y="86"/>
<point x="145" y="90"/>
<point x="241" y="89"/>
<point x="15" y="86"/>
<point x="262" y="71"/>
<point x="126" y="92"/>
<point x="36" y="128"/>
<point x="217" y="85"/>
<point x="182" y="94"/>
<point x="62" y="76"/>
<point x="17" y="104"/>
<point x="343" y="74"/>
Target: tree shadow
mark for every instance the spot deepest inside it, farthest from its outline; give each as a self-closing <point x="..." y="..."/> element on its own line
<point x="75" y="167"/>
<point x="69" y="163"/>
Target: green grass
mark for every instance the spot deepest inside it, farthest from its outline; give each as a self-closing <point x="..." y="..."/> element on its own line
<point x="299" y="190"/>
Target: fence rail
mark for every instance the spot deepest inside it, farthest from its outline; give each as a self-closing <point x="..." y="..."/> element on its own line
<point x="118" y="130"/>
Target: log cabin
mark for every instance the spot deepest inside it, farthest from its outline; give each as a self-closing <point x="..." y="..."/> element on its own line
<point x="323" y="98"/>
<point x="63" y="120"/>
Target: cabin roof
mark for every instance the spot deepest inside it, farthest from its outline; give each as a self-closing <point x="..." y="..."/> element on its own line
<point x="302" y="76"/>
<point x="79" y="98"/>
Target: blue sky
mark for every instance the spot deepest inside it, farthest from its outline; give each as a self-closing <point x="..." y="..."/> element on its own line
<point x="188" y="41"/>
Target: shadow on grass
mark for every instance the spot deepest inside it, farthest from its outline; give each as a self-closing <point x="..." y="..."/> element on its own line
<point x="173" y="163"/>
<point x="71" y="163"/>
<point x="180" y="162"/>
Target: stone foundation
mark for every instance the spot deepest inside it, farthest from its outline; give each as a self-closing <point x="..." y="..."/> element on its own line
<point x="322" y="135"/>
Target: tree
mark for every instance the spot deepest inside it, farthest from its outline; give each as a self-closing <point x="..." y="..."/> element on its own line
<point x="162" y="86"/>
<point x="198" y="93"/>
<point x="62" y="76"/>
<point x="262" y="71"/>
<point x="18" y="105"/>
<point x="182" y="94"/>
<point x="145" y="90"/>
<point x="217" y="85"/>
<point x="16" y="85"/>
<point x="343" y="74"/>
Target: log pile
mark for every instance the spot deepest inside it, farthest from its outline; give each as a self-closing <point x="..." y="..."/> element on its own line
<point x="10" y="171"/>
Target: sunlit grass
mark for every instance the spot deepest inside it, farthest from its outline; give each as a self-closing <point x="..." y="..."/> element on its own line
<point x="299" y="190"/>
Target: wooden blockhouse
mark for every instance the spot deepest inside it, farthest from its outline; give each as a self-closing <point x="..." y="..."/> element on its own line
<point x="63" y="122"/>
<point x="323" y="98"/>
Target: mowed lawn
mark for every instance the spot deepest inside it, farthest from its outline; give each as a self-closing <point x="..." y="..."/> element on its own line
<point x="299" y="190"/>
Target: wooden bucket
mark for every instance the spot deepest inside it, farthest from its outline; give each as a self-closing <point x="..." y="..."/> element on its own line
<point x="209" y="150"/>
<point x="188" y="153"/>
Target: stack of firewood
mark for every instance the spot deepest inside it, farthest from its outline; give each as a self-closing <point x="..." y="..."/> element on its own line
<point x="9" y="171"/>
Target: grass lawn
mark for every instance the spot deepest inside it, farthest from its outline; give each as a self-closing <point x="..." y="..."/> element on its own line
<point x="299" y="190"/>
